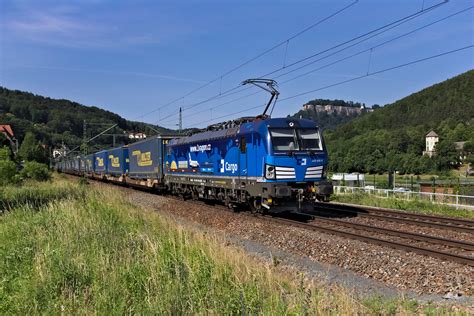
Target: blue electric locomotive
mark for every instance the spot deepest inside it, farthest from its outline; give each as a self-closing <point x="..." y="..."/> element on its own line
<point x="270" y="164"/>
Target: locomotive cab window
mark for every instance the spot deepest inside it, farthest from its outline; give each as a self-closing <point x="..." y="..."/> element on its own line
<point x="283" y="139"/>
<point x="290" y="139"/>
<point x="309" y="139"/>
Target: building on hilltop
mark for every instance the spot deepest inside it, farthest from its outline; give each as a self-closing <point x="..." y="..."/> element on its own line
<point x="338" y="109"/>
<point x="431" y="140"/>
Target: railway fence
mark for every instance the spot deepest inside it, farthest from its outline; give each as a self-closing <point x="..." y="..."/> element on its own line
<point x="454" y="200"/>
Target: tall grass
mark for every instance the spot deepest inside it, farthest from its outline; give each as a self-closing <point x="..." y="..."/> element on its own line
<point x="98" y="254"/>
<point x="414" y="205"/>
<point x="36" y="193"/>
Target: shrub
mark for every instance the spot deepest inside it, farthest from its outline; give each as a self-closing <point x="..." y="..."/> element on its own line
<point x="35" y="171"/>
<point x="31" y="149"/>
<point x="7" y="172"/>
<point x="5" y="153"/>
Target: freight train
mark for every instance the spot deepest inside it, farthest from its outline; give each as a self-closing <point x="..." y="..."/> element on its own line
<point x="268" y="164"/>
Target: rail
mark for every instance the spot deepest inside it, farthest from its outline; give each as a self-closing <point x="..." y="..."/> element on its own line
<point x="407" y="245"/>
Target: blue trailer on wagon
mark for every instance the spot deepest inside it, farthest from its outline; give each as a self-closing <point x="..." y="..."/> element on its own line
<point x="89" y="160"/>
<point x="117" y="164"/>
<point x="146" y="162"/>
<point x="100" y="164"/>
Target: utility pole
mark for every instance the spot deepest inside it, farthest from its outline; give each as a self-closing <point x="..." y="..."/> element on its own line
<point x="84" y="139"/>
<point x="180" y="120"/>
<point x="84" y="148"/>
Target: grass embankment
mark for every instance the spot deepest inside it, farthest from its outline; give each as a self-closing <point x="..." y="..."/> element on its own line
<point x="414" y="205"/>
<point x="36" y="194"/>
<point x="87" y="251"/>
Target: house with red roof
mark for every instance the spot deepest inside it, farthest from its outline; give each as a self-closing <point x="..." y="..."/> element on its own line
<point x="7" y="131"/>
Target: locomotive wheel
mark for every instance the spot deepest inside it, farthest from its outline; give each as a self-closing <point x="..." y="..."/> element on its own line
<point x="255" y="206"/>
<point x="323" y="198"/>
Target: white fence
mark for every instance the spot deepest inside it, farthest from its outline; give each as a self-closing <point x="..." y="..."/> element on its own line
<point x="455" y="200"/>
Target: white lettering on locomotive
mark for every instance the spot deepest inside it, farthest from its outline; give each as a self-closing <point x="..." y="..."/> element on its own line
<point x="232" y="167"/>
<point x="200" y="148"/>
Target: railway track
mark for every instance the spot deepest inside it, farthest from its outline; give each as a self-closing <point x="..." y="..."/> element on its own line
<point x="405" y="240"/>
<point x="437" y="247"/>
<point x="442" y="248"/>
<point x="454" y="224"/>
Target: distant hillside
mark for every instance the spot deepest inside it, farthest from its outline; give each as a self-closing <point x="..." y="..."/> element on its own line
<point x="393" y="137"/>
<point x="56" y="121"/>
<point x="331" y="113"/>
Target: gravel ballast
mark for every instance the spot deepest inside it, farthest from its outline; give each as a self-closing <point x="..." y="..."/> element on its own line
<point x="390" y="269"/>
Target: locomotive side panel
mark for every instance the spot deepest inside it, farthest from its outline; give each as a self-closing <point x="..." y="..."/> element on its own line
<point x="218" y="157"/>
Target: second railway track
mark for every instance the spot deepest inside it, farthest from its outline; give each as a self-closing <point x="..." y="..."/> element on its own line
<point x="442" y="222"/>
<point x="365" y="233"/>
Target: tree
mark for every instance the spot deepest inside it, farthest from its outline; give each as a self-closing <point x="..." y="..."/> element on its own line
<point x="31" y="149"/>
<point x="446" y="155"/>
<point x="5" y="153"/>
<point x="8" y="168"/>
<point x="35" y="171"/>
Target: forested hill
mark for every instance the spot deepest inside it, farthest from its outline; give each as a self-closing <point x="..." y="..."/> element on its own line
<point x="55" y="121"/>
<point x="393" y="137"/>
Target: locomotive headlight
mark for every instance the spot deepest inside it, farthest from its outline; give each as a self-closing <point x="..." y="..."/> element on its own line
<point x="269" y="172"/>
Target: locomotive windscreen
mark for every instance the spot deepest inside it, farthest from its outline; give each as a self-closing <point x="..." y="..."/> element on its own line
<point x="283" y="139"/>
<point x="289" y="139"/>
<point x="309" y="139"/>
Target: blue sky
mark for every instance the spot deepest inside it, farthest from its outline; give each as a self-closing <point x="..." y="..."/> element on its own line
<point x="133" y="57"/>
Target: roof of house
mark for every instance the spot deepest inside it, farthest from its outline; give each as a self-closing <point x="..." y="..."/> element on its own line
<point x="7" y="129"/>
<point x="432" y="134"/>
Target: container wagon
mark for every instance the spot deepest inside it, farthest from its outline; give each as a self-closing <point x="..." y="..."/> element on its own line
<point x="117" y="164"/>
<point x="146" y="162"/>
<point x="100" y="164"/>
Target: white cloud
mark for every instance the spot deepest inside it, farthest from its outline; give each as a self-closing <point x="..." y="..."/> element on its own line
<point x="114" y="72"/>
<point x="66" y="26"/>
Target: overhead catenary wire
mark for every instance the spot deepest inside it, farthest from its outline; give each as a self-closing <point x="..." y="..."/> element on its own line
<point x="342" y="59"/>
<point x="380" y="71"/>
<point x="408" y="17"/>
<point x="377" y="46"/>
<point x="374" y="35"/>
<point x="220" y="77"/>
<point x="92" y="138"/>
<point x="375" y="32"/>
<point x="350" y="80"/>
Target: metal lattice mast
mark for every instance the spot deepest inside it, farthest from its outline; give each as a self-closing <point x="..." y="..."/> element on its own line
<point x="180" y="119"/>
